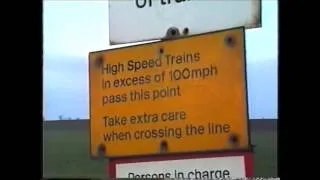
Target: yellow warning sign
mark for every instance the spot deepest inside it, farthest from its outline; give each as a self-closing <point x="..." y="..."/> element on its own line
<point x="184" y="95"/>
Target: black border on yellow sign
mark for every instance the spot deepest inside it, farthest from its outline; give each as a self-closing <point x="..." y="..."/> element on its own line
<point x="242" y="28"/>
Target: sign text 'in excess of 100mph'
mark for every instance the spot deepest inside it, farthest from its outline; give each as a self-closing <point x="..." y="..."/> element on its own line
<point x="174" y="75"/>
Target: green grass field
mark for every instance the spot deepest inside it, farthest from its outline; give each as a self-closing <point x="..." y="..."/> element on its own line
<point x="66" y="153"/>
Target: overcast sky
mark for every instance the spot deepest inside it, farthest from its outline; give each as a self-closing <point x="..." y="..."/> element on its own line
<point x="74" y="28"/>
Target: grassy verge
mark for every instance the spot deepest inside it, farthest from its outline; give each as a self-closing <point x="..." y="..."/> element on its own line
<point x="66" y="154"/>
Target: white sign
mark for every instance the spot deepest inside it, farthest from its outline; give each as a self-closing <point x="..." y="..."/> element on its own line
<point x="143" y="20"/>
<point x="202" y="168"/>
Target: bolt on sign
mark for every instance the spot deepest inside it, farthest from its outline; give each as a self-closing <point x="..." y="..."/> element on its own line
<point x="150" y="19"/>
<point x="174" y="96"/>
<point x="200" y="166"/>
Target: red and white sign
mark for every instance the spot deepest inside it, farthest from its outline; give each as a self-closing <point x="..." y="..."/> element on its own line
<point x="192" y="166"/>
